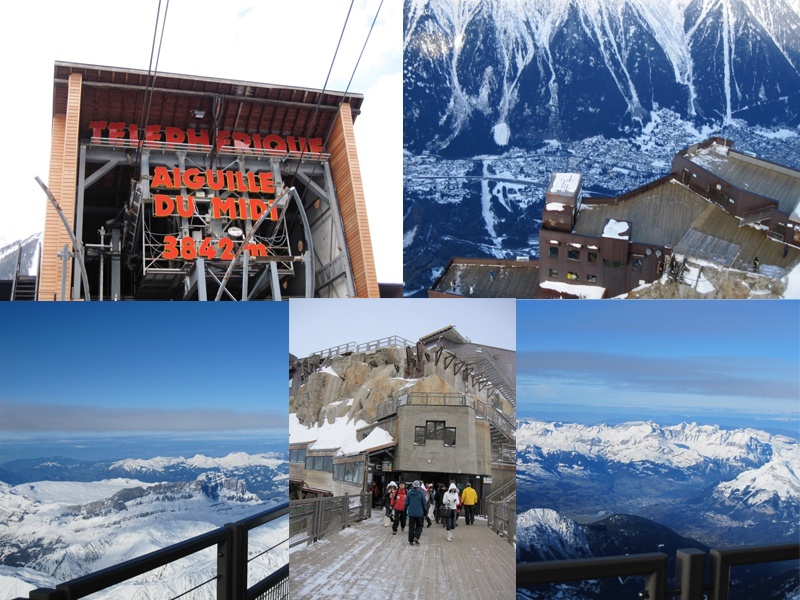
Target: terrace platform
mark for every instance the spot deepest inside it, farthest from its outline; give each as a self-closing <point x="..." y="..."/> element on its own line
<point x="367" y="561"/>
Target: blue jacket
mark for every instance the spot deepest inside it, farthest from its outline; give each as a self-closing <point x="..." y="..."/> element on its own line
<point x="416" y="505"/>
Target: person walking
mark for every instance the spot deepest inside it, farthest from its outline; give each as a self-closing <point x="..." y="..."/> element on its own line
<point x="450" y="501"/>
<point x="469" y="500"/>
<point x="437" y="499"/>
<point x="428" y="491"/>
<point x="399" y="506"/>
<point x="387" y="503"/>
<point x="416" y="507"/>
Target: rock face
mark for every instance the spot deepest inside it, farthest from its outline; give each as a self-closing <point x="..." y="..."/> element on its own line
<point x="355" y="385"/>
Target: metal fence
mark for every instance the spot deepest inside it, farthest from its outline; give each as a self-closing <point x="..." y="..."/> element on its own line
<point x="311" y="519"/>
<point x="232" y="562"/>
<point x="501" y="510"/>
<point x="689" y="570"/>
<point x="394" y="341"/>
<point x="482" y="410"/>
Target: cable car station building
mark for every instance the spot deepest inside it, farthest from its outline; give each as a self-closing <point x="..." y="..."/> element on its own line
<point x="192" y="188"/>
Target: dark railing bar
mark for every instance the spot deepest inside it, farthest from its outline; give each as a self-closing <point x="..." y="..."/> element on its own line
<point x="227" y="539"/>
<point x="652" y="566"/>
<point x="263" y="586"/>
<point x="267" y="550"/>
<point x="266" y="516"/>
<point x="197" y="587"/>
<point x="100" y="580"/>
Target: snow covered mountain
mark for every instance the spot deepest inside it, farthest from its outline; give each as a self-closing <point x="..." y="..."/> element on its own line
<point x="499" y="95"/>
<point x="482" y="74"/>
<point x="717" y="485"/>
<point x="55" y="530"/>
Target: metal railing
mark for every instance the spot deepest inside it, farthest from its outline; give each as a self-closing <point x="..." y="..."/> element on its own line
<point x="502" y="516"/>
<point x="689" y="570"/>
<point x="393" y="341"/>
<point x="482" y="410"/>
<point x="232" y="562"/>
<point x="310" y="520"/>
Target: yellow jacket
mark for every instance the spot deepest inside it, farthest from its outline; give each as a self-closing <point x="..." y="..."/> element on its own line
<point x="469" y="496"/>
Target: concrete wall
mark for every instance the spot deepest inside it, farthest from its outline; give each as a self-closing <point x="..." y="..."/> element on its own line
<point x="470" y="454"/>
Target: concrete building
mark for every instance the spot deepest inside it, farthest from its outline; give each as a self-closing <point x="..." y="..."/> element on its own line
<point x="717" y="206"/>
<point x="191" y="188"/>
<point x="449" y="412"/>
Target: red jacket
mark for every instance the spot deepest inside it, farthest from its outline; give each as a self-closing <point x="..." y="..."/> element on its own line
<point x="399" y="499"/>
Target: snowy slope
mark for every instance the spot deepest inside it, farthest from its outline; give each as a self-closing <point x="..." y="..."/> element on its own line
<point x="503" y="72"/>
<point x="54" y="531"/>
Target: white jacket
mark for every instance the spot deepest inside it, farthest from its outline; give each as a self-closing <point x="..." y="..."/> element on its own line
<point x="450" y="500"/>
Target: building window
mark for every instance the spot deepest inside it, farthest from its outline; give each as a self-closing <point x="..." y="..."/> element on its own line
<point x="449" y="436"/>
<point x="591" y="278"/>
<point x="434" y="430"/>
<point x="572" y="276"/>
<point x="419" y="436"/>
<point x="297" y="455"/>
<point x="612" y="264"/>
<point x="553" y="252"/>
<point x="553" y="273"/>
<point x="573" y="254"/>
<point x="637" y="263"/>
<point x="319" y="463"/>
<point x="591" y="258"/>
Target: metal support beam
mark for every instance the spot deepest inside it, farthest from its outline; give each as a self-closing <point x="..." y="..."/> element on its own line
<point x="76" y="280"/>
<point x="106" y="168"/>
<point x="116" y="256"/>
<point x="276" y="284"/>
<point x="690" y="573"/>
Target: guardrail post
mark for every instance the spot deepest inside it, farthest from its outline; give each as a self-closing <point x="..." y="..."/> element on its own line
<point x="46" y="594"/>
<point x="690" y="573"/>
<point x="345" y="511"/>
<point x="224" y="569"/>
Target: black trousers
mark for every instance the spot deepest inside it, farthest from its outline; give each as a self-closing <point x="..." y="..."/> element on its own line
<point x="469" y="513"/>
<point x="415" y="527"/>
<point x="399" y="519"/>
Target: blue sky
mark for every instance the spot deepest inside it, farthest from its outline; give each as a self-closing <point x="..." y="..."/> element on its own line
<point x="484" y="321"/>
<point x="113" y="367"/>
<point x="708" y="360"/>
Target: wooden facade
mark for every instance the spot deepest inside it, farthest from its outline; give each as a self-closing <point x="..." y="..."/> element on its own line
<point x="347" y="175"/>
<point x="84" y="95"/>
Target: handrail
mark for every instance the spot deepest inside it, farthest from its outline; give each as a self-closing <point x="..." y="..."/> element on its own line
<point x="689" y="576"/>
<point x="394" y="341"/>
<point x="722" y="560"/>
<point x="313" y="518"/>
<point x="231" y="566"/>
<point x="653" y="566"/>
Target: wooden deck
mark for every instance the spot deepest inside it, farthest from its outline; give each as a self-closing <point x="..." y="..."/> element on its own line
<point x="367" y="561"/>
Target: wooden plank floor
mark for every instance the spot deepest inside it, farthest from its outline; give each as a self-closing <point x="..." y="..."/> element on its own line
<point x="367" y="561"/>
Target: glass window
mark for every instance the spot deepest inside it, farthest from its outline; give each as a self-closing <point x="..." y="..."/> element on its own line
<point x="327" y="463"/>
<point x="553" y="252"/>
<point x="637" y="263"/>
<point x="449" y="436"/>
<point x="591" y="278"/>
<point x="309" y="463"/>
<point x="591" y="258"/>
<point x="337" y="471"/>
<point x="434" y="430"/>
<point x="350" y="471"/>
<point x="573" y="254"/>
<point x="572" y="276"/>
<point x="553" y="273"/>
<point x="419" y="436"/>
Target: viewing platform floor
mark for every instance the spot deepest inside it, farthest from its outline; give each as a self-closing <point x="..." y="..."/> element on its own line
<point x="367" y="561"/>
